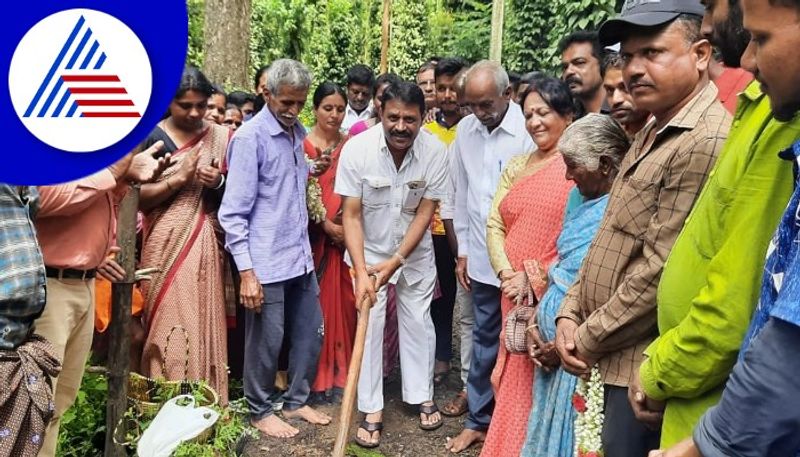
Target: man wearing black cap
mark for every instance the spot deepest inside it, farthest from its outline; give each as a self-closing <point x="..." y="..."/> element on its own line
<point x="710" y="283"/>
<point x="609" y="316"/>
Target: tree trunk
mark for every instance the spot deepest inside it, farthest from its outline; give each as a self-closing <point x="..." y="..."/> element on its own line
<point x="387" y="7"/>
<point x="119" y="330"/>
<point x="226" y="41"/>
<point x="496" y="45"/>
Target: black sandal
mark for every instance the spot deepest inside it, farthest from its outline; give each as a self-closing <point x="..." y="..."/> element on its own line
<point x="370" y="427"/>
<point x="428" y="411"/>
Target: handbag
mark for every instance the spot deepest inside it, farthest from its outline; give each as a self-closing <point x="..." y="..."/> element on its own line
<point x="523" y="315"/>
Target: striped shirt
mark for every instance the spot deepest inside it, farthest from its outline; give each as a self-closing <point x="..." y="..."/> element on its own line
<point x="22" y="278"/>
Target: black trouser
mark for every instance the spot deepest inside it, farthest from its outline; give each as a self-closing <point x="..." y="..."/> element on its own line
<point x="442" y="307"/>
<point x="623" y="434"/>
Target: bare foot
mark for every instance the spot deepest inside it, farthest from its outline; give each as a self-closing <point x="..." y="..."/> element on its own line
<point x="272" y="425"/>
<point x="371" y="437"/>
<point x="464" y="440"/>
<point x="308" y="414"/>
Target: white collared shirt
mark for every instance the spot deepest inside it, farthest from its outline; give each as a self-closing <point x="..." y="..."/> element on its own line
<point x="351" y="116"/>
<point x="390" y="196"/>
<point x="477" y="159"/>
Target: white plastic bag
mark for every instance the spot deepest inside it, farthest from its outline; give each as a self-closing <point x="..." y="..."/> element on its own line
<point x="173" y="425"/>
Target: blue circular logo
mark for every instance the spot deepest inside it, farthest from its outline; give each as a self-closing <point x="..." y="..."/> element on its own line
<point x="87" y="81"/>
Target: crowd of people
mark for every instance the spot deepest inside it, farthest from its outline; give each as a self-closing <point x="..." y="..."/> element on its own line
<point x="627" y="229"/>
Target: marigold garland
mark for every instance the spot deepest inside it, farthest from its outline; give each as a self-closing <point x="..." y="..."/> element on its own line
<point x="588" y="403"/>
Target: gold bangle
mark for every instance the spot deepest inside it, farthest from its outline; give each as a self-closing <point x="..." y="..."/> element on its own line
<point x="531" y="326"/>
<point x="168" y="186"/>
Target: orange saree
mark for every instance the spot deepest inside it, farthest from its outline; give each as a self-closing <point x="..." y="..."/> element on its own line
<point x="532" y="213"/>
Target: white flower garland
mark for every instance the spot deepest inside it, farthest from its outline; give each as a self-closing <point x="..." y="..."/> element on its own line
<point x="588" y="403"/>
<point x="316" y="210"/>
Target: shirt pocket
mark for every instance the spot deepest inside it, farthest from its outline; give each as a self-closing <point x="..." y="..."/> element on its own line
<point x="376" y="191"/>
<point x="707" y="235"/>
<point x="412" y="195"/>
<point x="636" y="207"/>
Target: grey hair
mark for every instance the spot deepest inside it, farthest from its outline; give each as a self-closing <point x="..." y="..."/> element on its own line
<point x="495" y="69"/>
<point x="287" y="72"/>
<point x="591" y="137"/>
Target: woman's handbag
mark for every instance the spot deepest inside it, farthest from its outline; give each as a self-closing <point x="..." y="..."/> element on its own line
<point x="523" y="315"/>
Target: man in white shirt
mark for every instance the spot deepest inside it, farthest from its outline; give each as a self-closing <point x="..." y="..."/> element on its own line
<point x="391" y="178"/>
<point x="360" y="87"/>
<point x="485" y="141"/>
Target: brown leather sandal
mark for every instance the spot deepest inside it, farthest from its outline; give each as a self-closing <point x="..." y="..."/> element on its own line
<point x="456" y="406"/>
<point x="370" y="427"/>
<point x="428" y="411"/>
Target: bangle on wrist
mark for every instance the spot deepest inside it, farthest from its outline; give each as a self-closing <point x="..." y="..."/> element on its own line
<point x="221" y="182"/>
<point x="168" y="184"/>
<point x="400" y="257"/>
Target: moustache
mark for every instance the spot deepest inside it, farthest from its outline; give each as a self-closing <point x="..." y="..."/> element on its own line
<point x="639" y="82"/>
<point x="573" y="79"/>
<point x="397" y="134"/>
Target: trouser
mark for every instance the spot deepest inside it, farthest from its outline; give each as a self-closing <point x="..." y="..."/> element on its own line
<point x="442" y="307"/>
<point x="68" y="323"/>
<point x="485" y="342"/>
<point x="417" y="346"/>
<point x="466" y="323"/>
<point x="290" y="307"/>
<point x="623" y="435"/>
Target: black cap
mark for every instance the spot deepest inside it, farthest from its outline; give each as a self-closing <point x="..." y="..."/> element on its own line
<point x="646" y="13"/>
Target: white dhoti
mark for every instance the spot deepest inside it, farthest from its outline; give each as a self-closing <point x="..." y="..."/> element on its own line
<point x="417" y="345"/>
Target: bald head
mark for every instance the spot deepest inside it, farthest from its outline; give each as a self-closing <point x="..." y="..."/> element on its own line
<point x="488" y="74"/>
<point x="487" y="92"/>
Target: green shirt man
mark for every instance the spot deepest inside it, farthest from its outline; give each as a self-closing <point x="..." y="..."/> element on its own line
<point x="710" y="283"/>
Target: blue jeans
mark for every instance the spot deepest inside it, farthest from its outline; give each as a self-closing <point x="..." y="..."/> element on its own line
<point x="485" y="342"/>
<point x="290" y="307"/>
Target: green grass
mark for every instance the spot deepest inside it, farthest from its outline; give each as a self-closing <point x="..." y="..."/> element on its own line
<point x="358" y="451"/>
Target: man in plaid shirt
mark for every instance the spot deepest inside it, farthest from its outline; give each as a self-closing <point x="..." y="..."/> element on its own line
<point x="608" y="317"/>
<point x="27" y="361"/>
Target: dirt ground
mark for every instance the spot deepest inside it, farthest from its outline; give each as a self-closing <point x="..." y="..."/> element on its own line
<point x="401" y="436"/>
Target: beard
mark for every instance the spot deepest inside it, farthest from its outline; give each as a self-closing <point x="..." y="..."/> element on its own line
<point x="731" y="38"/>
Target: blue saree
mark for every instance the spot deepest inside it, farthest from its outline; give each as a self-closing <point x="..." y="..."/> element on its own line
<point x="552" y="417"/>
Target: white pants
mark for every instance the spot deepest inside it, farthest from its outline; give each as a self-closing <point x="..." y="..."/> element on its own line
<point x="417" y="346"/>
<point x="466" y="321"/>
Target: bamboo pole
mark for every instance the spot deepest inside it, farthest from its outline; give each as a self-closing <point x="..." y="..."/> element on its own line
<point x="119" y="330"/>
<point x="353" y="372"/>
<point x="387" y="16"/>
<point x="496" y="44"/>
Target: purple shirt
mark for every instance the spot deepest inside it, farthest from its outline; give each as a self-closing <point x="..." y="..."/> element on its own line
<point x="263" y="210"/>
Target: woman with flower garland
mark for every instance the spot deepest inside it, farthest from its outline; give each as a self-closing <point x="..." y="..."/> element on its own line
<point x="524" y="223"/>
<point x="592" y="149"/>
<point x="327" y="238"/>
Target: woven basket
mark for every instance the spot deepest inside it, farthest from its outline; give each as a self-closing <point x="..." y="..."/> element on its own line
<point x="146" y="395"/>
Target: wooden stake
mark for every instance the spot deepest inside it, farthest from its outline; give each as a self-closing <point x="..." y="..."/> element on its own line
<point x="353" y="372"/>
<point x="496" y="44"/>
<point x="119" y="330"/>
<point x="387" y="7"/>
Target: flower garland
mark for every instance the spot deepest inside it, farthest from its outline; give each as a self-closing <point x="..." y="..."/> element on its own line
<point x="316" y="210"/>
<point x="588" y="402"/>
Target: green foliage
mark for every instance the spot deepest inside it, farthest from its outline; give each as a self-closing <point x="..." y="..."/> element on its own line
<point x="408" y="48"/>
<point x="194" y="55"/>
<point x="465" y="31"/>
<point x="537" y="27"/>
<point x="332" y="35"/>
<point x="83" y="427"/>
